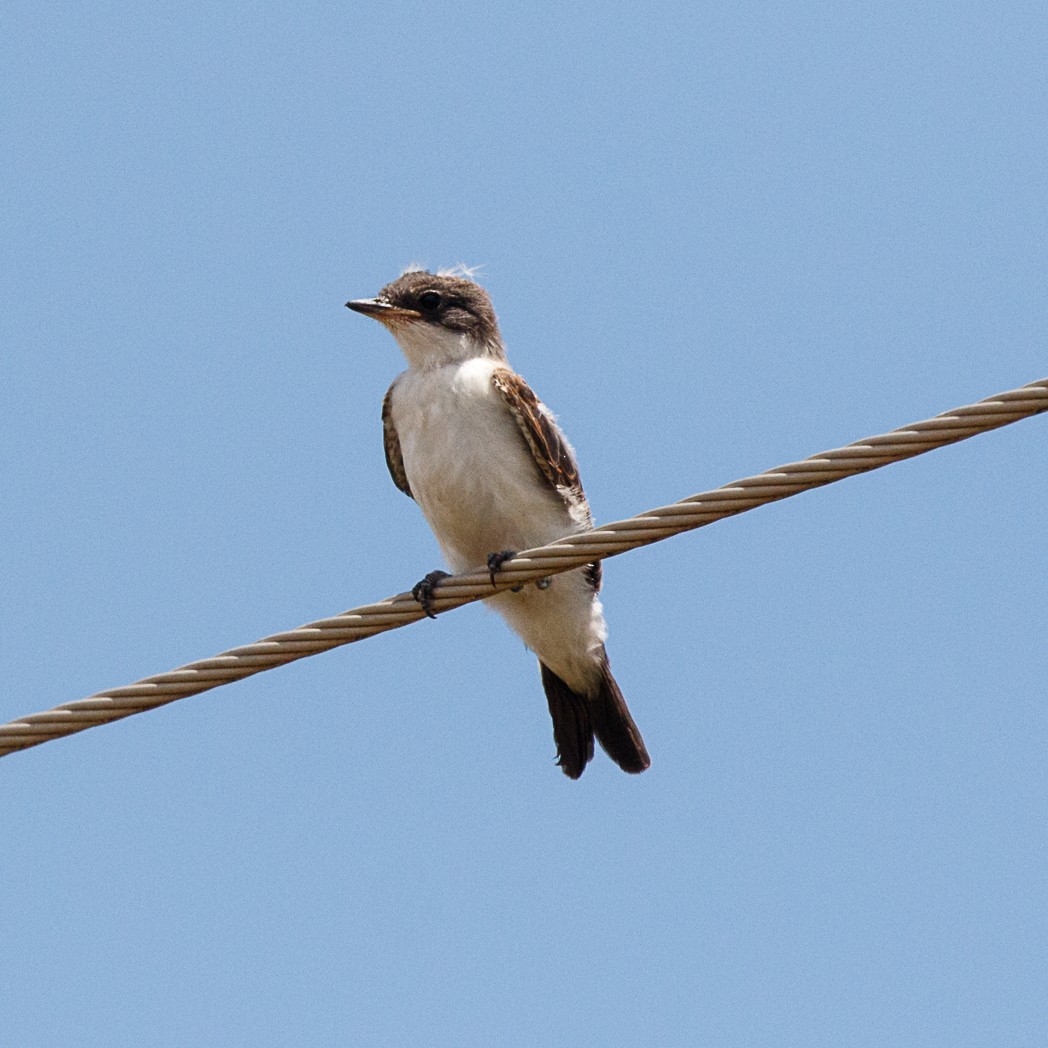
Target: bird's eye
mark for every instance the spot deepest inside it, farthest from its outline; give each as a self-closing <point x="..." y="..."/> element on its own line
<point x="429" y="300"/>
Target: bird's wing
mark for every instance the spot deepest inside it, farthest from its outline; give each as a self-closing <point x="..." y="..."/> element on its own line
<point x="549" y="448"/>
<point x="394" y="458"/>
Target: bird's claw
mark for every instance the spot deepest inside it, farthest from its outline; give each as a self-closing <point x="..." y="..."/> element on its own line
<point x="423" y="591"/>
<point x="495" y="562"/>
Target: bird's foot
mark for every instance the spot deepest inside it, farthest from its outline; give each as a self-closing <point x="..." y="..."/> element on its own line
<point x="495" y="562"/>
<point x="423" y="591"/>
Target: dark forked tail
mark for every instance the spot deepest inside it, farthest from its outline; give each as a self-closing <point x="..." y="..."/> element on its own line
<point x="577" y="718"/>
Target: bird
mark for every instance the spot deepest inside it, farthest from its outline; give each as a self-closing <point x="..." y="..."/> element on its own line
<point x="493" y="473"/>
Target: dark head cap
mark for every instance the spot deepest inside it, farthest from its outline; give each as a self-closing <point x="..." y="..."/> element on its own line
<point x="448" y="301"/>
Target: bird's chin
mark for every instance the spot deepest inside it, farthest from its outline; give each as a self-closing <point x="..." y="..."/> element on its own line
<point x="397" y="322"/>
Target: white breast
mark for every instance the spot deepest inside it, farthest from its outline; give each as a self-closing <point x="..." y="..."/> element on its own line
<point x="468" y="465"/>
<point x="473" y="475"/>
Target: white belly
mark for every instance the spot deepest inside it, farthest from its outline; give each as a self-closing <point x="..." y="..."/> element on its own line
<point x="468" y="465"/>
<point x="473" y="476"/>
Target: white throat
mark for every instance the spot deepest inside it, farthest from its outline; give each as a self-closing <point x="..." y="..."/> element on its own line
<point x="429" y="346"/>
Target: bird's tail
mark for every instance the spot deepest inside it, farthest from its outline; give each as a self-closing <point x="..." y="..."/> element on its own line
<point x="577" y="717"/>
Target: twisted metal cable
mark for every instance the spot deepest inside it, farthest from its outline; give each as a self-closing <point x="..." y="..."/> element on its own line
<point x="569" y="552"/>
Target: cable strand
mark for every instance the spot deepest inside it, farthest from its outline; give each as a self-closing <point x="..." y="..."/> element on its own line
<point x="566" y="553"/>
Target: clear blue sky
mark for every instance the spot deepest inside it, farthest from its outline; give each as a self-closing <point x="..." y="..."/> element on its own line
<point x="719" y="237"/>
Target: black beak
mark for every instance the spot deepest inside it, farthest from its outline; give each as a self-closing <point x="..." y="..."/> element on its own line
<point x="373" y="307"/>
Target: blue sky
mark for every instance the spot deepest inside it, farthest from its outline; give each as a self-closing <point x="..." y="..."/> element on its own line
<point x="719" y="237"/>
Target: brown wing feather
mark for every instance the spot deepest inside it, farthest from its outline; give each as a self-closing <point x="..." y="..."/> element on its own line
<point x="548" y="447"/>
<point x="394" y="458"/>
<point x="550" y="450"/>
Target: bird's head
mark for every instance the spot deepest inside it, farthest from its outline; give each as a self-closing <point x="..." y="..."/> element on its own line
<point x="436" y="318"/>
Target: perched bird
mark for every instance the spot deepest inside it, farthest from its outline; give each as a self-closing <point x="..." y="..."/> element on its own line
<point x="491" y="471"/>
